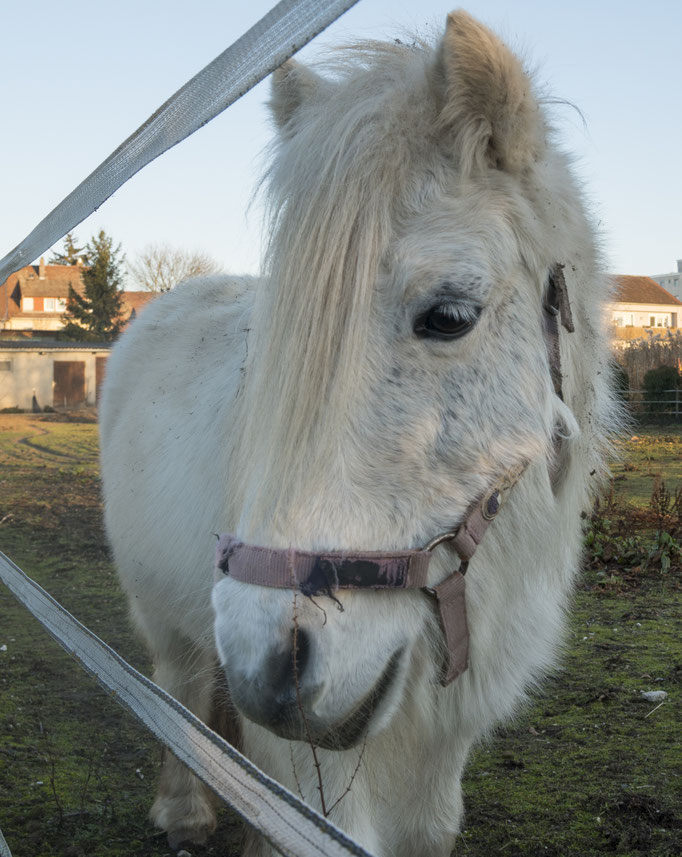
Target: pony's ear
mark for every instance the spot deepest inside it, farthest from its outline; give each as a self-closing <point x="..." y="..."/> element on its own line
<point x="292" y="85"/>
<point x="488" y="103"/>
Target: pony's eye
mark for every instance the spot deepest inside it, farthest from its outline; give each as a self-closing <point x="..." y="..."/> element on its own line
<point x="446" y="321"/>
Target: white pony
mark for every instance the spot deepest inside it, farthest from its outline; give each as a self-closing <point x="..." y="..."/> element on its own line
<point x="385" y="371"/>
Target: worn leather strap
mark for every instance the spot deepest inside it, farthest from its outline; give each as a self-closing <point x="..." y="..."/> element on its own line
<point x="324" y="573"/>
<point x="556" y="306"/>
<point x="317" y="574"/>
<point x="452" y="612"/>
<point x="320" y="573"/>
<point x="470" y="532"/>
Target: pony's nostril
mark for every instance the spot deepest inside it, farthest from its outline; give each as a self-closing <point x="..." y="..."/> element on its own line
<point x="275" y="694"/>
<point x="286" y="669"/>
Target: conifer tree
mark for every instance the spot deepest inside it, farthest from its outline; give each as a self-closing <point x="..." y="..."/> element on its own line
<point x="95" y="316"/>
<point x="71" y="254"/>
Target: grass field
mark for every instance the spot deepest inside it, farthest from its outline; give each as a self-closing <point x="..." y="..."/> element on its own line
<point x="650" y="454"/>
<point x="588" y="768"/>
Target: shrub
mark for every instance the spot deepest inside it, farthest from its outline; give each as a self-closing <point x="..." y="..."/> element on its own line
<point x="640" y="355"/>
<point x="661" y="385"/>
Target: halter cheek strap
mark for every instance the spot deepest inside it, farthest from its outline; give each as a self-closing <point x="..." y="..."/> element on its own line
<point x="555" y="306"/>
<point x="324" y="573"/>
<point x="450" y="593"/>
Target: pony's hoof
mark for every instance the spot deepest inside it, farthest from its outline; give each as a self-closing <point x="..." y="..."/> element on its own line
<point x="186" y="822"/>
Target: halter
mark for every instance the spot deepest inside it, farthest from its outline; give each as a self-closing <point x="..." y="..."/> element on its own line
<point x="323" y="573"/>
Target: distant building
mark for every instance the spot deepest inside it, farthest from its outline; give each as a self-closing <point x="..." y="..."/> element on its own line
<point x="36" y="370"/>
<point x="134" y="303"/>
<point x="672" y="282"/>
<point x="640" y="302"/>
<point x="63" y="375"/>
<point x="34" y="299"/>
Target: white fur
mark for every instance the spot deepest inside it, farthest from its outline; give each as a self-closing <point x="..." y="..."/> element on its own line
<point x="302" y="410"/>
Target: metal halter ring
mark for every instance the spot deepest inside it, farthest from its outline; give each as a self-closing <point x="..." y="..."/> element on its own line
<point x="443" y="537"/>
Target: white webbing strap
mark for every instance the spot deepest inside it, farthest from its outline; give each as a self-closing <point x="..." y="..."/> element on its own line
<point x="276" y="37"/>
<point x="291" y="826"/>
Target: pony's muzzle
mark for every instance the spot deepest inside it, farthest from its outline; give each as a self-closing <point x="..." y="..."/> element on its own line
<point x="281" y="691"/>
<point x="283" y="698"/>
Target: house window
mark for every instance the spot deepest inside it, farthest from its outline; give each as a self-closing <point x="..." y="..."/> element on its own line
<point x="28" y="304"/>
<point x="61" y="304"/>
<point x="652" y="321"/>
<point x="5" y="365"/>
<point x="49" y="304"/>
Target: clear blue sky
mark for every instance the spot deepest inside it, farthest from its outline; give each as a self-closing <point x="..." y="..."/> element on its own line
<point x="79" y="77"/>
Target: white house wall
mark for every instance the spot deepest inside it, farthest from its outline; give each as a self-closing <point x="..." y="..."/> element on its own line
<point x="35" y="322"/>
<point x="640" y="315"/>
<point x="31" y="373"/>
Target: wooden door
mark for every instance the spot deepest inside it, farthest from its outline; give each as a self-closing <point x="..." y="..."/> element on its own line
<point x="69" y="383"/>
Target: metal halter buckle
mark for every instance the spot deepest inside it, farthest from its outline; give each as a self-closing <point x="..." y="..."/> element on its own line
<point x="491" y="503"/>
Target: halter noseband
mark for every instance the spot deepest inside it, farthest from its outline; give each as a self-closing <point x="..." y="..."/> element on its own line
<point x="323" y="573"/>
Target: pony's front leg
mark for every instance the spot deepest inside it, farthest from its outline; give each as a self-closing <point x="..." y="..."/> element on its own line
<point x="291" y="764"/>
<point x="426" y="818"/>
<point x="184" y="806"/>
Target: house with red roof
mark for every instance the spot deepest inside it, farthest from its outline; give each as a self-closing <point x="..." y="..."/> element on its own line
<point x="33" y="300"/>
<point x="640" y="304"/>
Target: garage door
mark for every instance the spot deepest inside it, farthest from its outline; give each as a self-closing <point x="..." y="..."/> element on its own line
<point x="69" y="383"/>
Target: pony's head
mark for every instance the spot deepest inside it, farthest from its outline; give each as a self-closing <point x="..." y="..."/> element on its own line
<point x="396" y="363"/>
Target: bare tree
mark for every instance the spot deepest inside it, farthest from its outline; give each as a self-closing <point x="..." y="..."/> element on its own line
<point x="159" y="267"/>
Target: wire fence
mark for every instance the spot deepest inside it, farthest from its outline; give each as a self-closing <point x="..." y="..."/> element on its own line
<point x="644" y="405"/>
